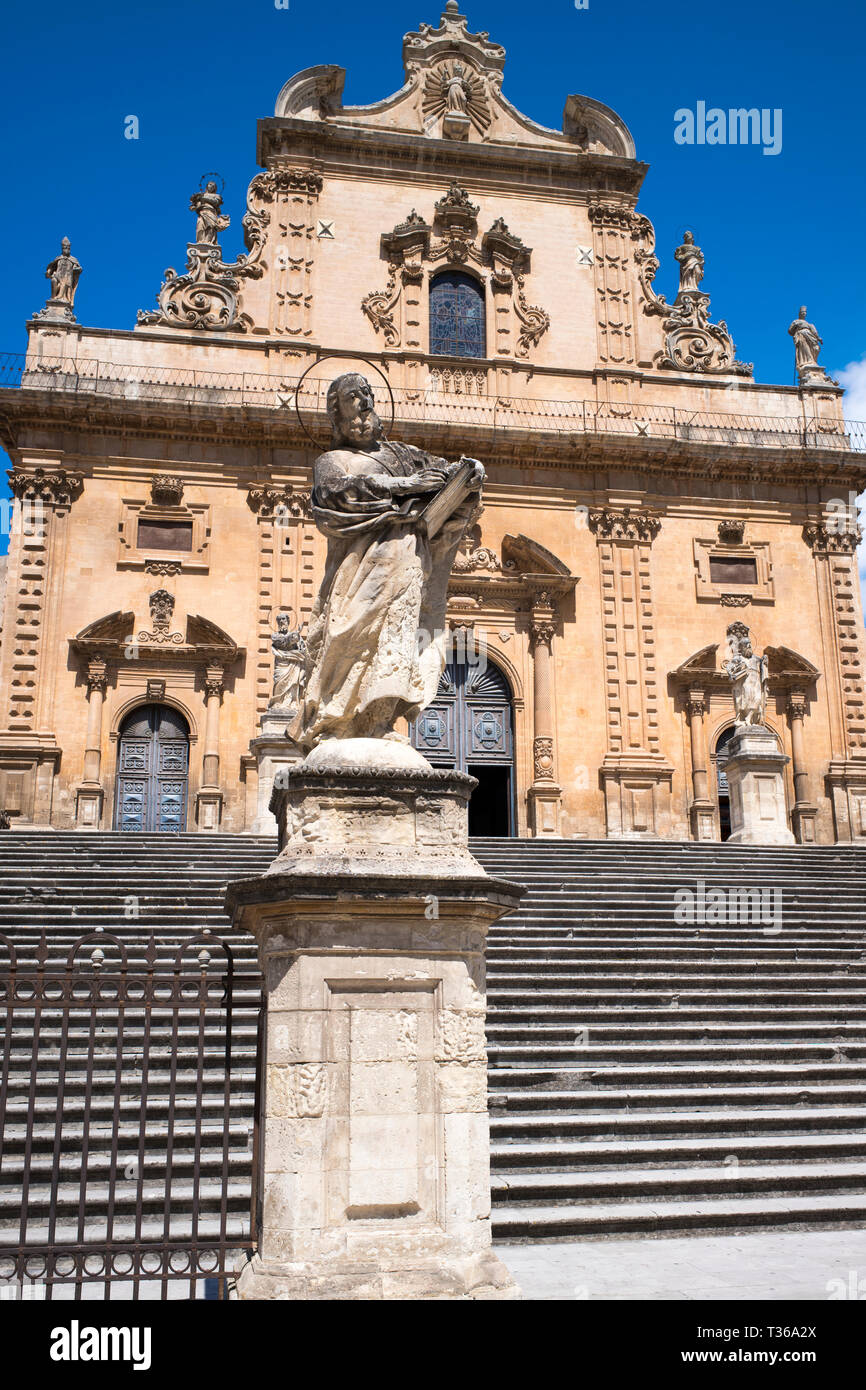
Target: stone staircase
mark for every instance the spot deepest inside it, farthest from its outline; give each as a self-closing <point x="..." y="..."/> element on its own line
<point x="646" y="1075"/>
<point x="649" y="1076"/>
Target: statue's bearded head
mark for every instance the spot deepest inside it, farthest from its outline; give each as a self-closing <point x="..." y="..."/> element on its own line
<point x="351" y="410"/>
<point x="282" y="622"/>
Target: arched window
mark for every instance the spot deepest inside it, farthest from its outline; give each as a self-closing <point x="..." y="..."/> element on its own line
<point x="457" y="327"/>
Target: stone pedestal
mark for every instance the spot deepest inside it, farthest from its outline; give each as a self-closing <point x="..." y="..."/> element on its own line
<point x="371" y="927"/>
<point x="273" y="752"/>
<point x="755" y="771"/>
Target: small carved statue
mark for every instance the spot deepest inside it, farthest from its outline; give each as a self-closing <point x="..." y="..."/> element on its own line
<point x="456" y="90"/>
<point x="290" y="651"/>
<point x="209" y="220"/>
<point x="386" y="573"/>
<point x="691" y="259"/>
<point x="748" y="674"/>
<point x="807" y="344"/>
<point x="64" y="272"/>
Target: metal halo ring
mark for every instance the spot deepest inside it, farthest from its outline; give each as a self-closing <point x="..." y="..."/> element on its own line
<point x="345" y="357"/>
<point x="212" y="175"/>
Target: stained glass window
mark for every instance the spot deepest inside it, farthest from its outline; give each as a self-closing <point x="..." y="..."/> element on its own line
<point x="457" y="327"/>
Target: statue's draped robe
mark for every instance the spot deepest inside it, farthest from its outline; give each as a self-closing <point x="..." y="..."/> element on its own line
<point x="749" y="676"/>
<point x="376" y="639"/>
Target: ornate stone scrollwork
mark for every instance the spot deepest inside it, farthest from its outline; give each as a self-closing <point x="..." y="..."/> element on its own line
<point x="161" y="604"/>
<point x="279" y="502"/>
<point x="452" y="240"/>
<point x="166" y="490"/>
<point x="731" y="531"/>
<point x="625" y="525"/>
<point x="472" y="556"/>
<point x="829" y="540"/>
<point x="693" y="344"/>
<point x="60" y="488"/>
<point x="542" y="755"/>
<point x="207" y="295"/>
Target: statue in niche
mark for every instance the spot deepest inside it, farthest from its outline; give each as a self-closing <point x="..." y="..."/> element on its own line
<point x="64" y="272"/>
<point x="376" y="637"/>
<point x="456" y="90"/>
<point x="748" y="674"/>
<point x="691" y="259"/>
<point x="290" y="652"/>
<point x="209" y="220"/>
<point x="807" y="343"/>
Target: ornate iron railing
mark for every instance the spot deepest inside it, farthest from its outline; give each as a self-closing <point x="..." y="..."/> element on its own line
<point x="128" y="1141"/>
<point x="442" y="404"/>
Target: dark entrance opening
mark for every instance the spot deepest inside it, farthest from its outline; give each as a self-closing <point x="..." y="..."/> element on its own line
<point x="470" y="727"/>
<point x="489" y="809"/>
<point x="723" y="793"/>
<point x="152" y="770"/>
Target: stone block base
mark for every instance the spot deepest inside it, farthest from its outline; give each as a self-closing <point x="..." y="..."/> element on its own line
<point x="755" y="772"/>
<point x="370" y="925"/>
<point x="483" y="1277"/>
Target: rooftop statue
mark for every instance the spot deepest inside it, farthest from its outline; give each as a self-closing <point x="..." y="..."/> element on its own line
<point x="209" y="220"/>
<point x="691" y="259"/>
<point x="64" y="273"/>
<point x="376" y="638"/>
<point x="807" y="345"/>
<point x="748" y="674"/>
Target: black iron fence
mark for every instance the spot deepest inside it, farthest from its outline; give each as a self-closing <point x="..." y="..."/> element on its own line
<point x="439" y="403"/>
<point x="129" y="1103"/>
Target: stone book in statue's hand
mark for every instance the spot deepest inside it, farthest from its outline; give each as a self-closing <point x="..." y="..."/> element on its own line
<point x="449" y="497"/>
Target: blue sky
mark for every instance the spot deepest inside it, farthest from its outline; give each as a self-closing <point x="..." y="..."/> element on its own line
<point x="776" y="230"/>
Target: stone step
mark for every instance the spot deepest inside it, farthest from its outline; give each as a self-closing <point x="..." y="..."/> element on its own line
<point x="669" y="1123"/>
<point x="524" y="1188"/>
<point x="661" y="1217"/>
<point x="554" y="1154"/>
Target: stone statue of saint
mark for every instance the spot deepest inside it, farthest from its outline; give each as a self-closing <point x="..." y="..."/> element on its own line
<point x="455" y="89"/>
<point x="290" y="652"/>
<point x="807" y="344"/>
<point x="691" y="259"/>
<point x="63" y="272"/>
<point x="376" y="638"/>
<point x="748" y="675"/>
<point x="209" y="220"/>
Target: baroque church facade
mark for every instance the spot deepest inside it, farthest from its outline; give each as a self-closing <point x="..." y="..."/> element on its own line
<point x="497" y="284"/>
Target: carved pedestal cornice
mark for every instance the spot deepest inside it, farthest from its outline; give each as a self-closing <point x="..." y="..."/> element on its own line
<point x="58" y="488"/>
<point x="828" y="540"/>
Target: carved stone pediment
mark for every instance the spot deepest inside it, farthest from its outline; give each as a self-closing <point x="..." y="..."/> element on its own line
<point x="113" y="637"/>
<point x="452" y="92"/>
<point x="787" y="670"/>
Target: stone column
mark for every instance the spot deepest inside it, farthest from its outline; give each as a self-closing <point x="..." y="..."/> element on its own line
<point x="370" y="926"/>
<point x="703" y="809"/>
<point x="209" y="799"/>
<point x="545" y="795"/>
<point x="805" y="811"/>
<point x="90" y="793"/>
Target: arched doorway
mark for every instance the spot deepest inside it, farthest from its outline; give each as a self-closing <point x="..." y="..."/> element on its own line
<point x="720" y="758"/>
<point x="152" y="770"/>
<point x="470" y="726"/>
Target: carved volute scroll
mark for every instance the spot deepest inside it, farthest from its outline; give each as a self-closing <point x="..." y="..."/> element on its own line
<point x="207" y="294"/>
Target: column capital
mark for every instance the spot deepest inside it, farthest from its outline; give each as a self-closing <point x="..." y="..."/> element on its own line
<point x="696" y="702"/>
<point x="795" y="706"/>
<point x="214" y="681"/>
<point x="97" y="675"/>
<point x="624" y="524"/>
<point x="825" y="539"/>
